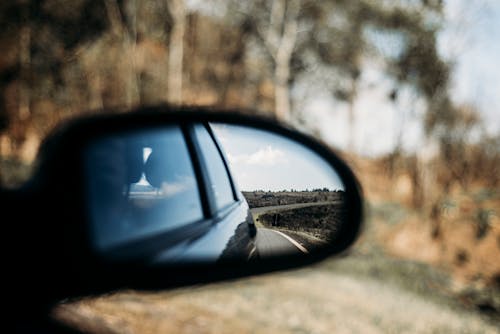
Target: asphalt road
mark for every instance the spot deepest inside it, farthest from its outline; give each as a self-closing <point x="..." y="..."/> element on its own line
<point x="272" y="243"/>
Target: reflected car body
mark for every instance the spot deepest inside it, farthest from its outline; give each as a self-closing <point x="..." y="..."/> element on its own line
<point x="170" y="186"/>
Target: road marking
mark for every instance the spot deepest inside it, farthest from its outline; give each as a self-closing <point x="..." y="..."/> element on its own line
<point x="295" y="243"/>
<point x="254" y="248"/>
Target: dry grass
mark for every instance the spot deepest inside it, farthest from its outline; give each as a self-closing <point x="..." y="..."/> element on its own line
<point x="333" y="297"/>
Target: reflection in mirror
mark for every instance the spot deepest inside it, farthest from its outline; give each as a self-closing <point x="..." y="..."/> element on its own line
<point x="140" y="184"/>
<point x="209" y="193"/>
<point x="295" y="197"/>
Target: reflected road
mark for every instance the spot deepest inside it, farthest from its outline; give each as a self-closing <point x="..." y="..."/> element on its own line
<point x="256" y="212"/>
<point x="272" y="243"/>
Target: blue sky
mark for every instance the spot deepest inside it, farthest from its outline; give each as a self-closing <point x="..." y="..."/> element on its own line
<point x="261" y="160"/>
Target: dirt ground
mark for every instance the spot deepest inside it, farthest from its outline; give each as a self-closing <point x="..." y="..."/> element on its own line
<point x="354" y="294"/>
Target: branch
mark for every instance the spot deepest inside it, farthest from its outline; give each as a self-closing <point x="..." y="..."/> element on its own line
<point x="114" y="16"/>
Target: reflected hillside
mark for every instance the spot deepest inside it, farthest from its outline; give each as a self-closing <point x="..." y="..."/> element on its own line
<point x="312" y="218"/>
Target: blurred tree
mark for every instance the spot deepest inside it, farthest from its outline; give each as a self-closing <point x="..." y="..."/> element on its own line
<point x="176" y="50"/>
<point x="328" y="42"/>
<point x="333" y="40"/>
<point x="419" y="65"/>
<point x="215" y="73"/>
<point x="126" y="39"/>
<point x="35" y="38"/>
<point x="279" y="36"/>
<point x="62" y="57"/>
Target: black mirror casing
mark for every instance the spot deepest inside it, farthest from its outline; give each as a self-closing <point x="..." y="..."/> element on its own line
<point x="53" y="219"/>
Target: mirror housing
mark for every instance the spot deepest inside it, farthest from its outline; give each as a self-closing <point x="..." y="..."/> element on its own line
<point x="58" y="241"/>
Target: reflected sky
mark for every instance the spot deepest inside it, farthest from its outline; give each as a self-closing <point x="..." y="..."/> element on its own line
<point x="264" y="161"/>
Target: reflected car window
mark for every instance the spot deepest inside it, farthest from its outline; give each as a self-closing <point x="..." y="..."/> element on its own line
<point x="219" y="177"/>
<point x="165" y="195"/>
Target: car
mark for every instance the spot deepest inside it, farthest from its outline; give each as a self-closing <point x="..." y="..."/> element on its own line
<point x="172" y="183"/>
<point x="147" y="200"/>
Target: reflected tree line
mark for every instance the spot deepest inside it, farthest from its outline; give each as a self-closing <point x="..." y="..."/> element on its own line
<point x="63" y="58"/>
<point x="258" y="199"/>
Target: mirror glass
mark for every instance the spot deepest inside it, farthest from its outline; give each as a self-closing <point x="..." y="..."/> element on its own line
<point x="209" y="193"/>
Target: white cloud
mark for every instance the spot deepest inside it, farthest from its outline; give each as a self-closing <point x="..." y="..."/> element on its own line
<point x="267" y="156"/>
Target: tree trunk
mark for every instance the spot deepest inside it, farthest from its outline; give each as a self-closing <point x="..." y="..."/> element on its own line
<point x="128" y="45"/>
<point x="424" y="189"/>
<point x="282" y="71"/>
<point x="280" y="41"/>
<point x="176" y="51"/>
<point x="352" y="116"/>
<point x="25" y="67"/>
<point x="282" y="101"/>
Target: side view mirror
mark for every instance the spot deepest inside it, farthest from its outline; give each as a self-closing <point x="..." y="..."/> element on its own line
<point x="164" y="197"/>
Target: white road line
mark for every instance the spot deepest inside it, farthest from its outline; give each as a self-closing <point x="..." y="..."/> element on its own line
<point x="251" y="253"/>
<point x="295" y="243"/>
